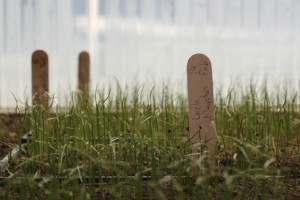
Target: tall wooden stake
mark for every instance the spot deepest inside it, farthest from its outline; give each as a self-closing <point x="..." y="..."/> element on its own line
<point x="84" y="76"/>
<point x="201" y="106"/>
<point x="40" y="78"/>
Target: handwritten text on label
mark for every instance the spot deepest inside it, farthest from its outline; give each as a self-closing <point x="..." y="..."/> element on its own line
<point x="200" y="69"/>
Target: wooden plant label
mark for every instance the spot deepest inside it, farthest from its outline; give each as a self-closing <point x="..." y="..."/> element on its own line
<point x="201" y="105"/>
<point x="84" y="75"/>
<point x="40" y="78"/>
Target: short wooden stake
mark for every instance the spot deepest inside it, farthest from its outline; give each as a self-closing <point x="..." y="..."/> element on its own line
<point x="84" y="76"/>
<point x="40" y="78"/>
<point x="201" y="106"/>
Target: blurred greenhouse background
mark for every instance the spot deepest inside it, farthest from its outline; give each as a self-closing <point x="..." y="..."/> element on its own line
<point x="147" y="41"/>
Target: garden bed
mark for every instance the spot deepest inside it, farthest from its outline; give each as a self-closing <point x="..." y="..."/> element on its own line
<point x="124" y="146"/>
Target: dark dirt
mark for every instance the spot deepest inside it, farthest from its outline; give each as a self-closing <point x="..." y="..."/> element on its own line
<point x="291" y="172"/>
<point x="8" y="135"/>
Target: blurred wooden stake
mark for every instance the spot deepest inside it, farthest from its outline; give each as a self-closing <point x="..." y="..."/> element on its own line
<point x="201" y="107"/>
<point x="40" y="78"/>
<point x="84" y="77"/>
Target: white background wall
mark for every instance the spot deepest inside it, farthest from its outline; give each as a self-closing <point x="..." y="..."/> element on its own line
<point x="149" y="39"/>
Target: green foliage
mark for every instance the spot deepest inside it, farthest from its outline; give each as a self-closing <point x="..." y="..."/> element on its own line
<point x="133" y="144"/>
